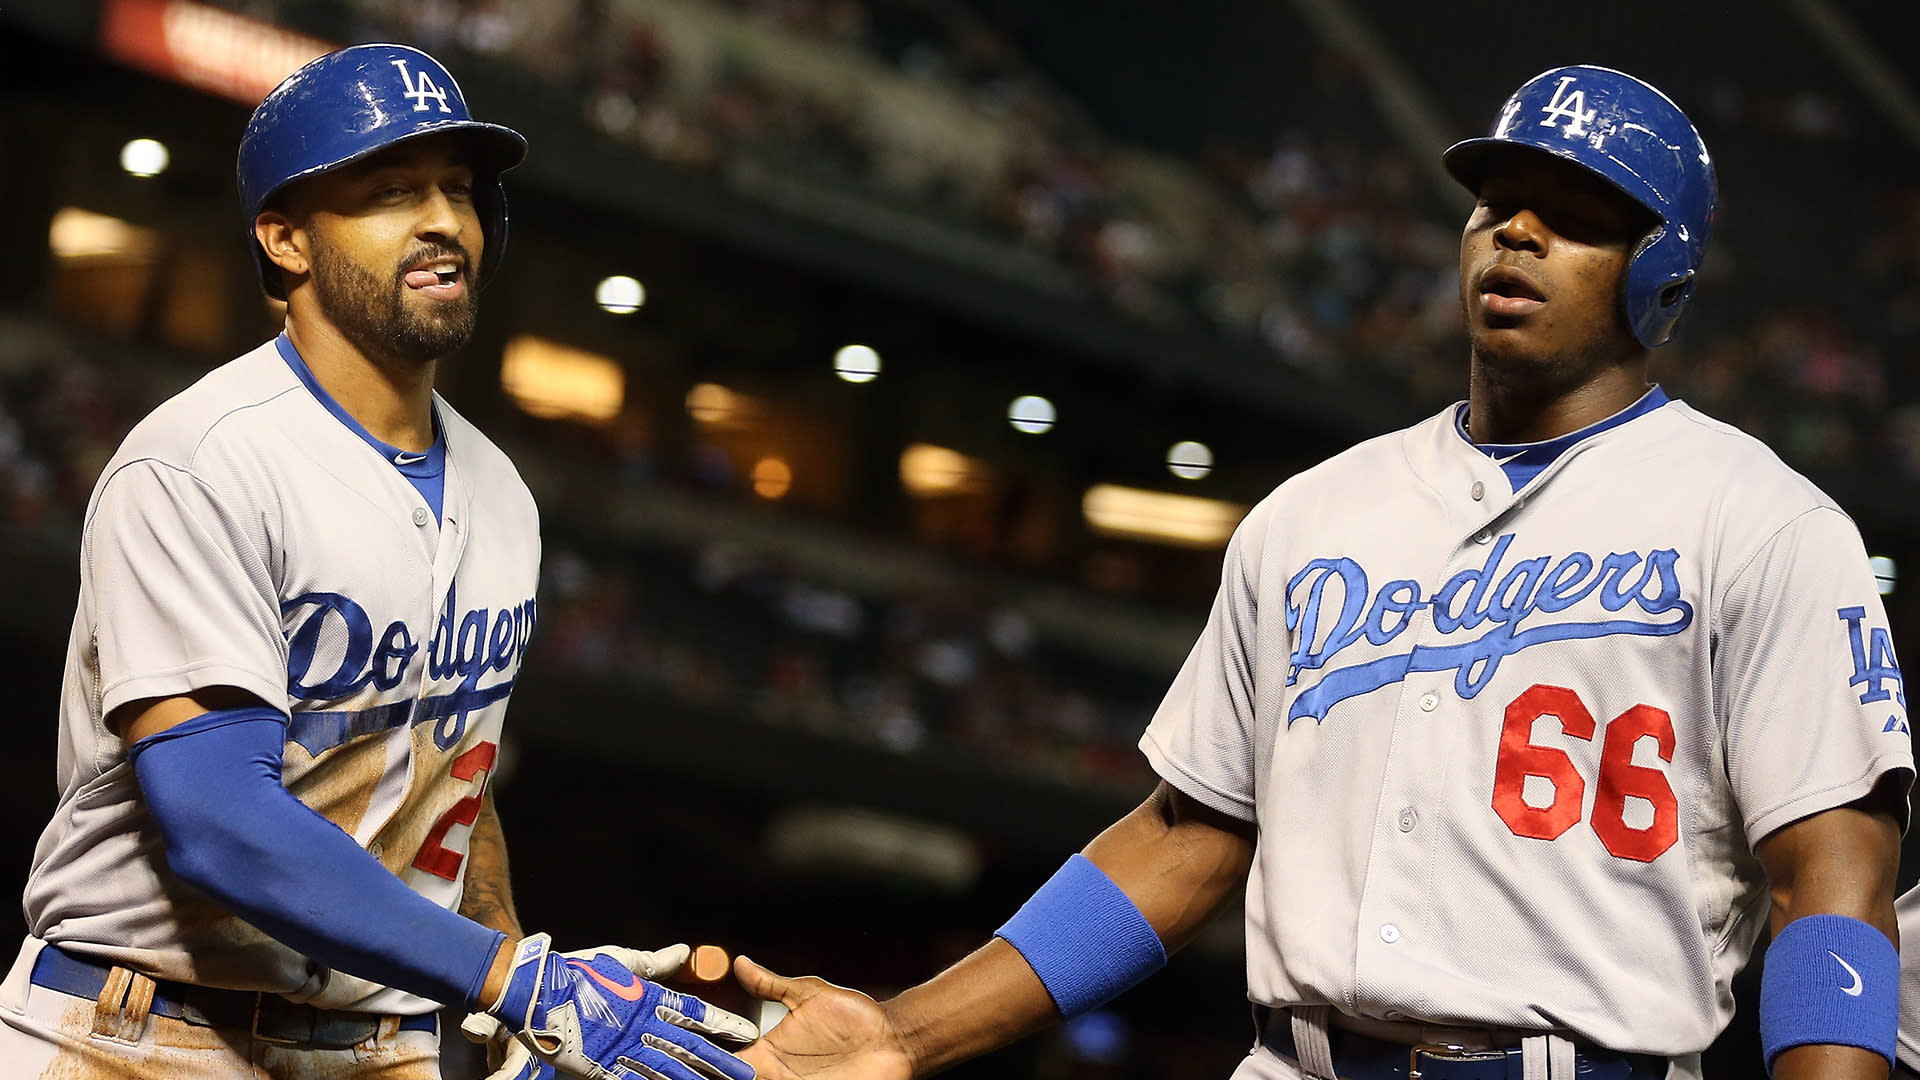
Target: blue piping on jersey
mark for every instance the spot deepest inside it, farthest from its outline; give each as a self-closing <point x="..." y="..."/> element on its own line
<point x="426" y="472"/>
<point x="318" y="731"/>
<point x="1524" y="461"/>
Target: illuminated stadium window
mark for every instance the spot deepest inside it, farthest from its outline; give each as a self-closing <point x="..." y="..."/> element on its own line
<point x="559" y="382"/>
<point x="103" y="270"/>
<point x="715" y="406"/>
<point x="927" y="470"/>
<point x="78" y="234"/>
<point x="1160" y="518"/>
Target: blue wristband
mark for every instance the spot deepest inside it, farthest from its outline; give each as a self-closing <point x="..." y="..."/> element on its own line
<point x="1830" y="980"/>
<point x="1084" y="938"/>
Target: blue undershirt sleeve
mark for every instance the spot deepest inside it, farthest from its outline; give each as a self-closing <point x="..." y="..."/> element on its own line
<point x="234" y="831"/>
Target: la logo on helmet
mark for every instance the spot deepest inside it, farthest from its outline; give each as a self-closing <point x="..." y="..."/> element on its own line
<point x="421" y="89"/>
<point x="1563" y="106"/>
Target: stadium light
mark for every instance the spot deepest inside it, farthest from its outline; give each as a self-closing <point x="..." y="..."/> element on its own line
<point x="1031" y="414"/>
<point x="144" y="157"/>
<point x="856" y="363"/>
<point x="555" y="381"/>
<point x="1884" y="573"/>
<point x="1189" y="460"/>
<point x="620" y="294"/>
<point x="772" y="478"/>
<point x="1159" y="517"/>
<point x="710" y="963"/>
<point x="711" y="403"/>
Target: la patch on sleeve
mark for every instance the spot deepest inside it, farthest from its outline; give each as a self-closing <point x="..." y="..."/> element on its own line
<point x="1875" y="667"/>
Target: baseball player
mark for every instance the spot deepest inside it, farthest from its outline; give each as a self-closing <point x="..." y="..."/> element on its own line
<point x="307" y="586"/>
<point x="1510" y="723"/>
<point x="1907" y="911"/>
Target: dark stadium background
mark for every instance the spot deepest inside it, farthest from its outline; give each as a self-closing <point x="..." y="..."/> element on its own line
<point x="862" y="722"/>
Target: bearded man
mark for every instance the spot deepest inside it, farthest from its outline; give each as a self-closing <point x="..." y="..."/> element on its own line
<point x="307" y="586"/>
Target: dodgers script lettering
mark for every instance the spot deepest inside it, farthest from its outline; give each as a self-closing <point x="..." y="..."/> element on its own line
<point x="1331" y="607"/>
<point x="465" y="646"/>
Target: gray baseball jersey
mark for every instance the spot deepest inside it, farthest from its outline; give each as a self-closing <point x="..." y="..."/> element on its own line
<point x="1907" y="909"/>
<point x="244" y="536"/>
<point x="1509" y="752"/>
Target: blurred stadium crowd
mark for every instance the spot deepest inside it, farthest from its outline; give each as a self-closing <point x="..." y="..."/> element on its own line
<point x="1330" y="251"/>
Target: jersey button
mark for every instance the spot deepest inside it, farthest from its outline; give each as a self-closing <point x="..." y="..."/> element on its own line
<point x="1483" y="536"/>
<point x="1479" y="491"/>
<point x="1408" y="819"/>
<point x="1389" y="933"/>
<point x="1429" y="701"/>
<point x="419" y="515"/>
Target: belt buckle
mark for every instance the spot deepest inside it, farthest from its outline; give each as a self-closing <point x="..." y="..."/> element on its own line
<point x="275" y="1039"/>
<point x="1459" y="1052"/>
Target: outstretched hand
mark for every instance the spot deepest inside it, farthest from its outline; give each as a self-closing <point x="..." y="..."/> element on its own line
<point x="593" y="1013"/>
<point x="830" y="1032"/>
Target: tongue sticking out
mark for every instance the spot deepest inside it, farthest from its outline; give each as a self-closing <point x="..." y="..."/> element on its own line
<point x="451" y="286"/>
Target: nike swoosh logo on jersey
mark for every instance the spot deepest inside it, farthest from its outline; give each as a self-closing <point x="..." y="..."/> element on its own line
<point x="1858" y="985"/>
<point x="635" y="990"/>
<point x="408" y="459"/>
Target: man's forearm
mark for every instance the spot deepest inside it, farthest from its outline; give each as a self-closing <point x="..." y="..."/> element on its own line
<point x="1840" y="862"/>
<point x="488" y="897"/>
<point x="1177" y="862"/>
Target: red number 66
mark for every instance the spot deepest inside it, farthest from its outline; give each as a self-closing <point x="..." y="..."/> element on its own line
<point x="1620" y="778"/>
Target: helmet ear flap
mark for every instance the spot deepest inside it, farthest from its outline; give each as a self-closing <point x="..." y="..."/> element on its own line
<point x="1629" y="286"/>
<point x="1657" y="286"/>
<point x="490" y="198"/>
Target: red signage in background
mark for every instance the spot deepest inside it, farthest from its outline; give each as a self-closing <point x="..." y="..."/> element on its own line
<point x="204" y="47"/>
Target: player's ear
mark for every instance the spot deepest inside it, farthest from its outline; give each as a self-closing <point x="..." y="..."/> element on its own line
<point x="284" y="241"/>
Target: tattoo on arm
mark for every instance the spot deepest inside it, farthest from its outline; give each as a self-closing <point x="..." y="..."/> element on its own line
<point x="488" y="899"/>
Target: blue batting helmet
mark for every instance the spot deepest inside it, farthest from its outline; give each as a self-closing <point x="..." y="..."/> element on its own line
<point x="1638" y="140"/>
<point x="355" y="102"/>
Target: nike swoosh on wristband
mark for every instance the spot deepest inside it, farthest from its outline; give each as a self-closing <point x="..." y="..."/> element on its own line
<point x="1858" y="985"/>
<point x="635" y="990"/>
